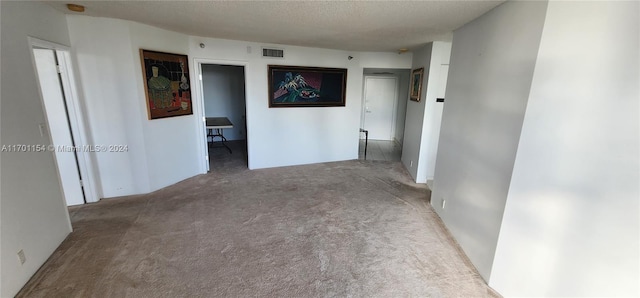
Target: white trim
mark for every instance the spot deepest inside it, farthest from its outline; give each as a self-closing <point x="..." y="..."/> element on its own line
<point x="199" y="112"/>
<point x="63" y="203"/>
<point x="44" y="44"/>
<point x="363" y="105"/>
<point x="394" y="117"/>
<point x="78" y="128"/>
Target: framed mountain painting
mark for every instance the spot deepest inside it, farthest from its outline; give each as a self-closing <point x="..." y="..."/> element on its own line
<point x="300" y="86"/>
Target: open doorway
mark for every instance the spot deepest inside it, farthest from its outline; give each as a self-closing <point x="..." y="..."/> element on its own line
<point x="224" y="102"/>
<point x="384" y="102"/>
<point x="65" y="130"/>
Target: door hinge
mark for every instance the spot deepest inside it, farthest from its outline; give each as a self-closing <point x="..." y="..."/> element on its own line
<point x="206" y="158"/>
<point x="200" y="77"/>
<point x="58" y="69"/>
<point x="81" y="183"/>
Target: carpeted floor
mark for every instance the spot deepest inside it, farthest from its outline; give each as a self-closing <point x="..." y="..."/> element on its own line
<point x="343" y="229"/>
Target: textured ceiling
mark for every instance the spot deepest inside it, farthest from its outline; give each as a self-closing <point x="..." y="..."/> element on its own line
<point x="346" y="25"/>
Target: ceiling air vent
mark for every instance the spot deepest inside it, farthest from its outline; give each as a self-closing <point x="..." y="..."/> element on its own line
<point x="272" y="53"/>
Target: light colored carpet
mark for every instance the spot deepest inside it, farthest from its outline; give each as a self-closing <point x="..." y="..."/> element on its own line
<point x="344" y="229"/>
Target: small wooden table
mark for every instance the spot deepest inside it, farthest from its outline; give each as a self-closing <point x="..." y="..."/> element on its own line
<point x="215" y="125"/>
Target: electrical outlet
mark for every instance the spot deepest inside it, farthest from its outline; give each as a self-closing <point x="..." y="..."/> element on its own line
<point x="444" y="202"/>
<point x="43" y="128"/>
<point x="22" y="257"/>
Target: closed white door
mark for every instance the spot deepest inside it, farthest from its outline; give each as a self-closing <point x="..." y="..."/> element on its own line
<point x="58" y="122"/>
<point x="380" y="96"/>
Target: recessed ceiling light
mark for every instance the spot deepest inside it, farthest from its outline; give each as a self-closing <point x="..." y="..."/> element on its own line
<point x="75" y="7"/>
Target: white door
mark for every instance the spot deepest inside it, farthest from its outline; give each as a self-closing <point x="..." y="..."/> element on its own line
<point x="58" y="122"/>
<point x="380" y="96"/>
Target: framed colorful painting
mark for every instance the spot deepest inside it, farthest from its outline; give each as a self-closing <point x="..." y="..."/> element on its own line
<point x="416" y="84"/>
<point x="166" y="84"/>
<point x="298" y="86"/>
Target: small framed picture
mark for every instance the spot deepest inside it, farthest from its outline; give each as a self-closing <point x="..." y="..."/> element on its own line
<point x="416" y="84"/>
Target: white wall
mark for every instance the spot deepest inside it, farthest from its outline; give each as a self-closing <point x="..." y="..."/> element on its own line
<point x="162" y="151"/>
<point x="492" y="63"/>
<point x="105" y="62"/>
<point x="436" y="117"/>
<point x="414" y="123"/>
<point x="384" y="60"/>
<point x="422" y="125"/>
<point x="292" y="136"/>
<point x="570" y="225"/>
<point x="33" y="211"/>
<point x="436" y="82"/>
<point x="224" y="96"/>
<point x="169" y="142"/>
<point x="165" y="151"/>
<point x="403" y="98"/>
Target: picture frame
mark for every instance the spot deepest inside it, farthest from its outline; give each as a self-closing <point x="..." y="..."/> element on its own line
<point x="302" y="86"/>
<point x="415" y="90"/>
<point x="167" y="85"/>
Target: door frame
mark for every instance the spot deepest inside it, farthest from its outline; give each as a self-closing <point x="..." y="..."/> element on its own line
<point x="199" y="112"/>
<point x="395" y="101"/>
<point x="79" y="129"/>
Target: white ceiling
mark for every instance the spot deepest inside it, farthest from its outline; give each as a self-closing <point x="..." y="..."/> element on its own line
<point x="345" y="25"/>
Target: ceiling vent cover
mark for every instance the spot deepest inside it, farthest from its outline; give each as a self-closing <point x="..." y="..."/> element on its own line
<point x="272" y="53"/>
